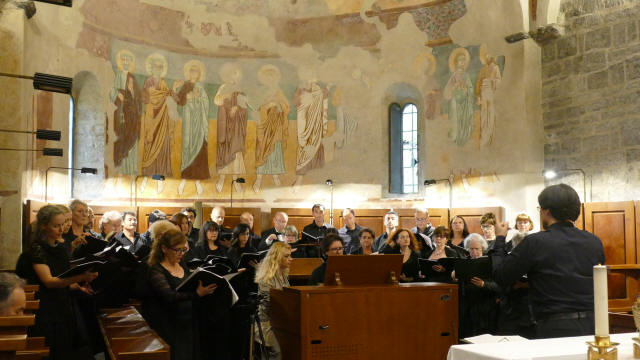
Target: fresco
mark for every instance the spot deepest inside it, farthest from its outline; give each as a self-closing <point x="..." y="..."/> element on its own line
<point x="197" y="118"/>
<point x="463" y="93"/>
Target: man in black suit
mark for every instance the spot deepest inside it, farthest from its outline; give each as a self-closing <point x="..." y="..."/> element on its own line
<point x="276" y="233"/>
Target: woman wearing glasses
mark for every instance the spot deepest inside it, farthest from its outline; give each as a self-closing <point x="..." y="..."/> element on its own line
<point x="170" y="311"/>
<point x="331" y="245"/>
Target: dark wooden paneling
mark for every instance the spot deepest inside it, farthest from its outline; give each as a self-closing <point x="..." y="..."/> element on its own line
<point x="614" y="224"/>
<point x="473" y="215"/>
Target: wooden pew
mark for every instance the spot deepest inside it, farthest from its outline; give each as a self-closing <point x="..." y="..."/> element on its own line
<point x="10" y="344"/>
<point x="14" y="325"/>
<point x="127" y="336"/>
<point x="36" y="349"/>
<point x="301" y="270"/>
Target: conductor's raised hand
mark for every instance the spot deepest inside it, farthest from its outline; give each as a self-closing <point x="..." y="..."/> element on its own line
<point x="502" y="228"/>
<point x="205" y="290"/>
<point x="438" y="268"/>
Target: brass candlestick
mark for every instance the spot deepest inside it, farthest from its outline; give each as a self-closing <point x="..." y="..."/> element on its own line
<point x="602" y="349"/>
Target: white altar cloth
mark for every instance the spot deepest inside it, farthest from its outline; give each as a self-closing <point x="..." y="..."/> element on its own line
<point x="546" y="349"/>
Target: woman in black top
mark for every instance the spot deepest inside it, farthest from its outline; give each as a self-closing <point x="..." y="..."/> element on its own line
<point x="40" y="264"/>
<point x="331" y="245"/>
<point x="402" y="241"/>
<point x="208" y="242"/>
<point x="244" y="285"/>
<point x="79" y="231"/>
<point x="169" y="311"/>
<point x="366" y="236"/>
<point x="440" y="239"/>
<point x="457" y="233"/>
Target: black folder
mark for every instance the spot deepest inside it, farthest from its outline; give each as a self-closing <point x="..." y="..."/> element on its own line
<point x="211" y="260"/>
<point x="468" y="268"/>
<point x="247" y="257"/>
<point x="207" y="277"/>
<point x="426" y="268"/>
<point x="81" y="268"/>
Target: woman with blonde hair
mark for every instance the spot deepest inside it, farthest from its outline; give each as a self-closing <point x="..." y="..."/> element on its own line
<point x="272" y="273"/>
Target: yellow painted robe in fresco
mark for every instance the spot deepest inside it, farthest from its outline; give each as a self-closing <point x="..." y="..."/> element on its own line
<point x="156" y="128"/>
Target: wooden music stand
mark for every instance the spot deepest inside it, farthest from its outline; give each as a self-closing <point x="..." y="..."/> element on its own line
<point x="363" y="270"/>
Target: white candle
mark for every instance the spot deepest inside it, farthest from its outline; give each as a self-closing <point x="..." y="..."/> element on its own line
<point x="601" y="300"/>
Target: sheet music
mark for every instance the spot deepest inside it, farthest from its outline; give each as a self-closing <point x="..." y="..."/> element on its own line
<point x="492" y="339"/>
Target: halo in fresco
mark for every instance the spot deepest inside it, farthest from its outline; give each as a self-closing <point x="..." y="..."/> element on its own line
<point x="427" y="61"/>
<point x="132" y="62"/>
<point x="195" y="63"/>
<point x="156" y="56"/>
<point x="455" y="54"/>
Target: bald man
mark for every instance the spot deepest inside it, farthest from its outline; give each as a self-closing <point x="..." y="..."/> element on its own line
<point x="217" y="216"/>
<point x="247" y="218"/>
<point x="268" y="236"/>
<point x="423" y="231"/>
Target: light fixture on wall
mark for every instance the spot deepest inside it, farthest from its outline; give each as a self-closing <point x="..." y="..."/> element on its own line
<point x="45" y="151"/>
<point x="239" y="181"/>
<point x="46" y="82"/>
<point x="134" y="184"/>
<point x="68" y="3"/>
<point x="84" y="170"/>
<point x="550" y="174"/>
<point x="41" y="134"/>
<point x="329" y="183"/>
<point x="430" y="182"/>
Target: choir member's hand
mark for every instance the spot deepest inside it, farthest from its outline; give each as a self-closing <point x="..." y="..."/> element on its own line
<point x="502" y="228"/>
<point x="87" y="277"/>
<point x="438" y="268"/>
<point x="205" y="290"/>
<point x="272" y="237"/>
<point x="403" y="277"/>
<point x="255" y="264"/>
<point x="241" y="270"/>
<point x="86" y="288"/>
<point x="79" y="241"/>
<point x="453" y="276"/>
<point x="477" y="282"/>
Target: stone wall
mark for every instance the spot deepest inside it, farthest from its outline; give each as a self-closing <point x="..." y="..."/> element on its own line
<point x="590" y="88"/>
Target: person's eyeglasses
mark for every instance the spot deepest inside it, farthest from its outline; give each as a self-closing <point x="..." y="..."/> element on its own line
<point x="339" y="249"/>
<point x="183" y="250"/>
<point x="486" y="227"/>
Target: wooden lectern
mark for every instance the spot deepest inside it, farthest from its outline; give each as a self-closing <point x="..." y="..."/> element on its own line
<point x="370" y="316"/>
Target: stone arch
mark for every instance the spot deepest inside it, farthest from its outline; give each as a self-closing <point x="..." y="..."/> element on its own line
<point x="88" y="135"/>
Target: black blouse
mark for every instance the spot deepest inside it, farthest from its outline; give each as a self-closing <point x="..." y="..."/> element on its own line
<point x="55" y="303"/>
<point x="411" y="267"/>
<point x="169" y="312"/>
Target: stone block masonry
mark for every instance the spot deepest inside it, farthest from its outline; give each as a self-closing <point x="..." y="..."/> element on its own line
<point x="591" y="97"/>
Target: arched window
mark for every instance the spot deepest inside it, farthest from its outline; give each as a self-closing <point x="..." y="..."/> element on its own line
<point x="403" y="154"/>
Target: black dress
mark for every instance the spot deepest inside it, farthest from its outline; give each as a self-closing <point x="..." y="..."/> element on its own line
<point x="56" y="318"/>
<point x="170" y="313"/>
<point x="444" y="277"/>
<point x="411" y="267"/>
<point x="245" y="286"/>
<point x="478" y="309"/>
<point x="201" y="251"/>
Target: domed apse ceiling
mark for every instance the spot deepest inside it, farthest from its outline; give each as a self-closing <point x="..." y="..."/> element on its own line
<point x="220" y="28"/>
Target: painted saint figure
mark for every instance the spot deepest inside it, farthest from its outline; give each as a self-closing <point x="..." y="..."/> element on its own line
<point x="312" y="104"/>
<point x="193" y="99"/>
<point x="157" y="123"/>
<point x="459" y="92"/>
<point x="272" y="131"/>
<point x="125" y="95"/>
<point x="232" y="126"/>
<point x="488" y="80"/>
